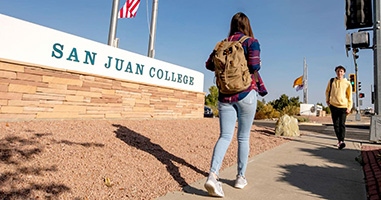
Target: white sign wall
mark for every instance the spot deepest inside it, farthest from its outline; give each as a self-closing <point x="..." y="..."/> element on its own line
<point x="31" y="43"/>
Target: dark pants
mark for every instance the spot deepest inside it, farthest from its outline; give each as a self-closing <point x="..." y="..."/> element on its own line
<point x="339" y="116"/>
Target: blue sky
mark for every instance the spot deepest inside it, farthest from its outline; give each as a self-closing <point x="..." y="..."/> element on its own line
<point x="187" y="31"/>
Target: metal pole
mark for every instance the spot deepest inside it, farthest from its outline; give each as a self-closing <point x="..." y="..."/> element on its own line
<point x="377" y="56"/>
<point x="358" y="116"/>
<point x="113" y="23"/>
<point x="305" y="82"/>
<point x="151" y="45"/>
<point x="375" y="125"/>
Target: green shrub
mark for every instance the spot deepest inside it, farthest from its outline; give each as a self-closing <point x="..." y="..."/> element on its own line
<point x="260" y="115"/>
<point x="267" y="112"/>
<point x="290" y="110"/>
<point x="301" y="119"/>
<point x="215" y="111"/>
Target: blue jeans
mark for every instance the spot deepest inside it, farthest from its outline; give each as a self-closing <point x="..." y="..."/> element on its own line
<point x="244" y="110"/>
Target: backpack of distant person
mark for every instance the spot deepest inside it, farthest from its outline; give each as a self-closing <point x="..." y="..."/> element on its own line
<point x="330" y="87"/>
<point x="231" y="71"/>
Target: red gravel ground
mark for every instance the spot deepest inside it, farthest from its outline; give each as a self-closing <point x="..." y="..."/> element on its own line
<point x="107" y="159"/>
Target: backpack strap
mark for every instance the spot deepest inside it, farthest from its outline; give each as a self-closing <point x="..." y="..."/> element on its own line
<point x="256" y="76"/>
<point x="330" y="87"/>
<point x="243" y="38"/>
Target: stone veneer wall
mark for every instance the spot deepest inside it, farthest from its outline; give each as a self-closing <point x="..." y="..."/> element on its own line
<point x="29" y="92"/>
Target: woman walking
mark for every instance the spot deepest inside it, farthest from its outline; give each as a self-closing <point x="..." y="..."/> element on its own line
<point x="239" y="106"/>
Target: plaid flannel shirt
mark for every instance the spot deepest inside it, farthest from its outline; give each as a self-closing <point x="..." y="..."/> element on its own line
<point x="252" y="52"/>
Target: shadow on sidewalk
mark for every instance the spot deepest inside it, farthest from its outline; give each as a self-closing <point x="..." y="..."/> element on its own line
<point x="143" y="143"/>
<point x="333" y="178"/>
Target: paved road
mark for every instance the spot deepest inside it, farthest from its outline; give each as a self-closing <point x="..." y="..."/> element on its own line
<point x="354" y="131"/>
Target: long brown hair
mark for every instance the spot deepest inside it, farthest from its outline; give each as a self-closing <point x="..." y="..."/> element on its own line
<point x="240" y="23"/>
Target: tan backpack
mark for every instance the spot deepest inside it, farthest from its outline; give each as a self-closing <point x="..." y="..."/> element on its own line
<point x="231" y="71"/>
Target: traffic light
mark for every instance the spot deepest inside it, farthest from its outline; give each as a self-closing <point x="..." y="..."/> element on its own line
<point x="359" y="86"/>
<point x="352" y="80"/>
<point x="358" y="14"/>
<point x="361" y="95"/>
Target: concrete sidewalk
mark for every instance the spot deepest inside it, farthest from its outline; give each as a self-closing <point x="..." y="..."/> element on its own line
<point x="309" y="167"/>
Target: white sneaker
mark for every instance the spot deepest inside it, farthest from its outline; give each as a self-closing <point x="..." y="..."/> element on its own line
<point x="213" y="186"/>
<point x="240" y="182"/>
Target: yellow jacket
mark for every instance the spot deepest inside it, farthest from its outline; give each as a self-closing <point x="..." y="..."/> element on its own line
<point x="341" y="93"/>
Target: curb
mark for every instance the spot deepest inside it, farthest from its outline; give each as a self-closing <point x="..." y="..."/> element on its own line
<point x="311" y="123"/>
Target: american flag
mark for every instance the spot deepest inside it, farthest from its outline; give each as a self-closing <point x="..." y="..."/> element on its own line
<point x="129" y="9"/>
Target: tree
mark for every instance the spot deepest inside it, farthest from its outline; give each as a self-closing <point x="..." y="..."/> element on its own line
<point x="260" y="105"/>
<point x="294" y="101"/>
<point x="212" y="98"/>
<point x="290" y="110"/>
<point x="284" y="101"/>
<point x="280" y="103"/>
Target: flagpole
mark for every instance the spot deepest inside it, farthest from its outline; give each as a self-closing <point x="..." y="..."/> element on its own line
<point x="113" y="23"/>
<point x="151" y="45"/>
<point x="305" y="82"/>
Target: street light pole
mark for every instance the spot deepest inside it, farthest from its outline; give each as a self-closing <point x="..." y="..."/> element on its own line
<point x="377" y="55"/>
<point x="375" y="129"/>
